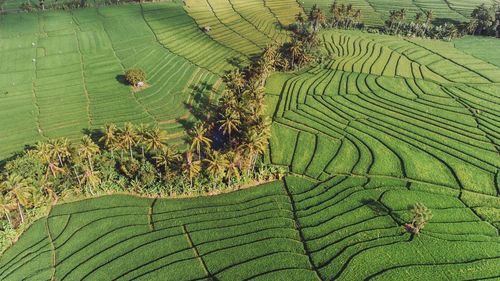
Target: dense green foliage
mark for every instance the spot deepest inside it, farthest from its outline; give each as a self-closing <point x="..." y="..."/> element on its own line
<point x="135" y="75"/>
<point x="392" y="143"/>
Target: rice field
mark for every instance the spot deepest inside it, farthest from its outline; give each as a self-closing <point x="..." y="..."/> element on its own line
<point x="60" y="71"/>
<point x="343" y="228"/>
<point x="381" y="124"/>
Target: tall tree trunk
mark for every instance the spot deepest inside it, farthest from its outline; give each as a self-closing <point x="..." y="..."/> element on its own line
<point x="90" y="163"/>
<point x="8" y="218"/>
<point x="20" y="212"/>
<point x="77" y="177"/>
<point x="60" y="159"/>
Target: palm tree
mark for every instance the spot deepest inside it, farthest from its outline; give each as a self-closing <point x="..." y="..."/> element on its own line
<point x="87" y="149"/>
<point x="60" y="148"/>
<point x="166" y="158"/>
<point x="316" y="17"/>
<point x="216" y="165"/>
<point x="6" y="205"/>
<point x="429" y="16"/>
<point x="44" y="151"/>
<point x="235" y="80"/>
<point x="232" y="168"/>
<point x="199" y="139"/>
<point x="229" y="123"/>
<point x="155" y="139"/>
<point x="296" y="49"/>
<point x="127" y="137"/>
<point x="190" y="167"/>
<point x="91" y="179"/>
<point x="19" y="189"/>
<point x="141" y="136"/>
<point x="109" y="138"/>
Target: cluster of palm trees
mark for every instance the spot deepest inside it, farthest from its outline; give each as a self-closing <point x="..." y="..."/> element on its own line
<point x="485" y="21"/>
<point x="345" y="16"/>
<point x="420" y="26"/>
<point x="236" y="132"/>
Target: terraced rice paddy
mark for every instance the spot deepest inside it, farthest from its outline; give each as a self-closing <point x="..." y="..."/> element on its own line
<point x="345" y="228"/>
<point x="384" y="123"/>
<point x="60" y="71"/>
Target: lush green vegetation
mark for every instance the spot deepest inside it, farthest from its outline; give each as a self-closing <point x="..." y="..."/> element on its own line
<point x="390" y="145"/>
<point x="296" y="228"/>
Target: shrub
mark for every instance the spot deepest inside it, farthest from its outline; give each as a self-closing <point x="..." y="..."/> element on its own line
<point x="135" y="75"/>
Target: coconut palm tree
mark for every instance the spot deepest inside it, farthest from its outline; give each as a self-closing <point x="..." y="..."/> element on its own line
<point x="166" y="157"/>
<point x="199" y="139"/>
<point x="91" y="179"/>
<point x="235" y="80"/>
<point x="229" y="123"/>
<point x="127" y="137"/>
<point x="190" y="168"/>
<point x="232" y="170"/>
<point x="6" y="206"/>
<point x="141" y="134"/>
<point x="110" y="138"/>
<point x="45" y="153"/>
<point x="155" y="139"/>
<point x="300" y="18"/>
<point x="216" y="165"/>
<point x="429" y="16"/>
<point x="316" y="17"/>
<point x="60" y="148"/>
<point x="87" y="149"/>
<point x="296" y="50"/>
<point x="20" y="191"/>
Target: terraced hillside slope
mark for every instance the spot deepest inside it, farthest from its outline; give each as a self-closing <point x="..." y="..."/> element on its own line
<point x="380" y="124"/>
<point x="60" y="71"/>
<point x="393" y="107"/>
<point x="345" y="228"/>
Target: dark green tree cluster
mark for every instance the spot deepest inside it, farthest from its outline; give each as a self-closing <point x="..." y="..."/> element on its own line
<point x="135" y="75"/>
<point x="485" y="21"/>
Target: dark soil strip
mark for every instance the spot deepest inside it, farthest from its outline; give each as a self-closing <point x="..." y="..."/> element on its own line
<point x="197" y="254"/>
<point x="297" y="227"/>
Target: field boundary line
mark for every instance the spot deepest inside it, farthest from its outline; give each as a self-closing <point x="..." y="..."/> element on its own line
<point x="87" y="97"/>
<point x="52" y="246"/>
<point x="34" y="77"/>
<point x="252" y="24"/>
<point x="299" y="230"/>
<point x="180" y="56"/>
<point x="150" y="215"/>
<point x="197" y="254"/>
<point x="473" y="113"/>
<point x="451" y="61"/>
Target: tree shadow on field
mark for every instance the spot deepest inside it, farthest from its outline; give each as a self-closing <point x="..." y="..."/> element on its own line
<point x="202" y="105"/>
<point x="376" y="206"/>
<point x="380" y="209"/>
<point x="94" y="134"/>
<point x="121" y="79"/>
<point x="235" y="61"/>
